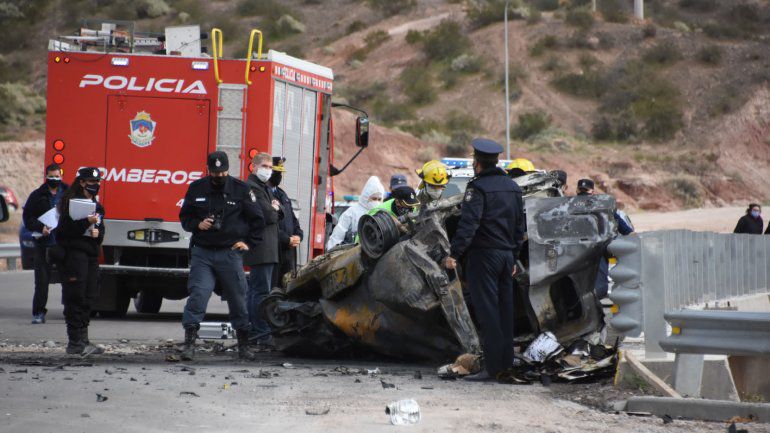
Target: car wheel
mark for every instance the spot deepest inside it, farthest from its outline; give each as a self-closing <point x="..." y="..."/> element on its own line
<point x="148" y="302"/>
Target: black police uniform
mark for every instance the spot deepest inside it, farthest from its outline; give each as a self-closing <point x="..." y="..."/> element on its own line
<point x="237" y="218"/>
<point x="289" y="226"/>
<point x="39" y="202"/>
<point x="489" y="235"/>
<point x="79" y="266"/>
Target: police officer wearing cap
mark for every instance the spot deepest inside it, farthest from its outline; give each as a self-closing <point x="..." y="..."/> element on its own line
<point x="76" y="254"/>
<point x="397" y="181"/>
<point x="488" y="236"/>
<point x="290" y="232"/>
<point x="225" y="220"/>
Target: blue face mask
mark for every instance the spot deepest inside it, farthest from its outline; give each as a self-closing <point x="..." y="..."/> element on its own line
<point x="755" y="213"/>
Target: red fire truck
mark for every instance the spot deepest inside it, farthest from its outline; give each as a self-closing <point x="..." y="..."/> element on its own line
<point x="147" y="110"/>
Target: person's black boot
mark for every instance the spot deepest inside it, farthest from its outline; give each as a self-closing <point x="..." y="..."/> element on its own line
<point x="75" y="342"/>
<point x="243" y="345"/>
<point x="188" y="350"/>
<point x="88" y="348"/>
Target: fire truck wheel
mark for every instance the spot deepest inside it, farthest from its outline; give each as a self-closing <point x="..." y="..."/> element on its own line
<point x="114" y="297"/>
<point x="148" y="302"/>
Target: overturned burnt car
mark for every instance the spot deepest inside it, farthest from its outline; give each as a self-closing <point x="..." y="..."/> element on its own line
<point x="390" y="294"/>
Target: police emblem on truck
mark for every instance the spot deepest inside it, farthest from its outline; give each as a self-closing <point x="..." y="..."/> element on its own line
<point x="142" y="129"/>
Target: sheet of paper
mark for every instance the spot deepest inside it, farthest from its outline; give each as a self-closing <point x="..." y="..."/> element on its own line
<point x="50" y="219"/>
<point x="81" y="208"/>
<point x="544" y="346"/>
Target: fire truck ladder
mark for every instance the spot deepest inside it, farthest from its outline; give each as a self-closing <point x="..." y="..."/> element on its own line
<point x="231" y="110"/>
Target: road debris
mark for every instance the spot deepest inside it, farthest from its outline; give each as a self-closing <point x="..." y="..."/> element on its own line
<point x="172" y="358"/>
<point x="464" y="365"/>
<point x="188" y="394"/>
<point x="387" y="385"/>
<point x="403" y="412"/>
<point x="101" y="398"/>
<point x="318" y="411"/>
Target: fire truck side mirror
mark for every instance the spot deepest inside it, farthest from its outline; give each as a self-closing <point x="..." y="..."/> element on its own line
<point x="362" y="132"/>
<point x="4" y="215"/>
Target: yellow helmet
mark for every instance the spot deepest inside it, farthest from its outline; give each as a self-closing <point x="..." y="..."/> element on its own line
<point x="434" y="173"/>
<point x="523" y="164"/>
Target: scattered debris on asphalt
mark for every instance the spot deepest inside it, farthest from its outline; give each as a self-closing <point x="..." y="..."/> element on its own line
<point x="100" y="398"/>
<point x="318" y="411"/>
<point x="403" y="412"/>
<point x="188" y="393"/>
<point x="387" y="385"/>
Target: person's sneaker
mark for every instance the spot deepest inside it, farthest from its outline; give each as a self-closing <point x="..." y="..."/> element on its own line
<point x="38" y="319"/>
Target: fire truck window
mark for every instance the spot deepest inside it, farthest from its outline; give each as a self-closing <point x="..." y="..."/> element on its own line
<point x="279" y="117"/>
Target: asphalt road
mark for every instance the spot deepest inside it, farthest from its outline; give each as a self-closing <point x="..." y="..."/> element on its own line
<point x="137" y="386"/>
<point x="16" y="289"/>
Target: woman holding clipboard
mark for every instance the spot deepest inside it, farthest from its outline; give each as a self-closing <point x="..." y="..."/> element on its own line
<point x="80" y="234"/>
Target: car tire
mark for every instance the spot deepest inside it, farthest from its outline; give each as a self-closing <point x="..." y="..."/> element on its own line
<point x="148" y="302"/>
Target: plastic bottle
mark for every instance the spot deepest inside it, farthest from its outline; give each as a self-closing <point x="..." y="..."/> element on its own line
<point x="403" y="412"/>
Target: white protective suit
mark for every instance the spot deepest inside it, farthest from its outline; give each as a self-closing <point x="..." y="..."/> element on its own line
<point x="349" y="219"/>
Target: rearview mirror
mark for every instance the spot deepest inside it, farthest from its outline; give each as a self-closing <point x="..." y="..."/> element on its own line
<point x="3" y="210"/>
<point x="362" y="132"/>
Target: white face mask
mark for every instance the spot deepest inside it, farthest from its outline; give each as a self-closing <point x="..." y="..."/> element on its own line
<point x="371" y="204"/>
<point x="264" y="174"/>
<point x="434" y="193"/>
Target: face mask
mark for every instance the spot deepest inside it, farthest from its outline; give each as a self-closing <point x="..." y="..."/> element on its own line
<point x="218" y="182"/>
<point x="92" y="189"/>
<point x="434" y="193"/>
<point x="755" y="213"/>
<point x="276" y="178"/>
<point x="53" y="182"/>
<point x="370" y="204"/>
<point x="264" y="174"/>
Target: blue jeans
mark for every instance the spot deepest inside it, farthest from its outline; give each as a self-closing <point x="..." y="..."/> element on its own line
<point x="260" y="280"/>
<point x="207" y="266"/>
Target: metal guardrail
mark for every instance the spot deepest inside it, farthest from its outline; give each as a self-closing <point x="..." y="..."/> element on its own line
<point x="675" y="269"/>
<point x="718" y="333"/>
<point x="10" y="252"/>
<point x="698" y="333"/>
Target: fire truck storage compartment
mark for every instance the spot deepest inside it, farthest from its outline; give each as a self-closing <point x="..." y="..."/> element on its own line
<point x="294" y="137"/>
<point x="155" y="148"/>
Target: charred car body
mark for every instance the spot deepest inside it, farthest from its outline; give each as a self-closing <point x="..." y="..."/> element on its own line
<point x="391" y="295"/>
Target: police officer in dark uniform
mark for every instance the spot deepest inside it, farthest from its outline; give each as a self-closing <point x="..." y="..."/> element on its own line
<point x="488" y="236"/>
<point x="77" y="256"/>
<point x="289" y="231"/>
<point x="223" y="215"/>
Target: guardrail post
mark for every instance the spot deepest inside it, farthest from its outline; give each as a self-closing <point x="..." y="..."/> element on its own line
<point x="688" y="374"/>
